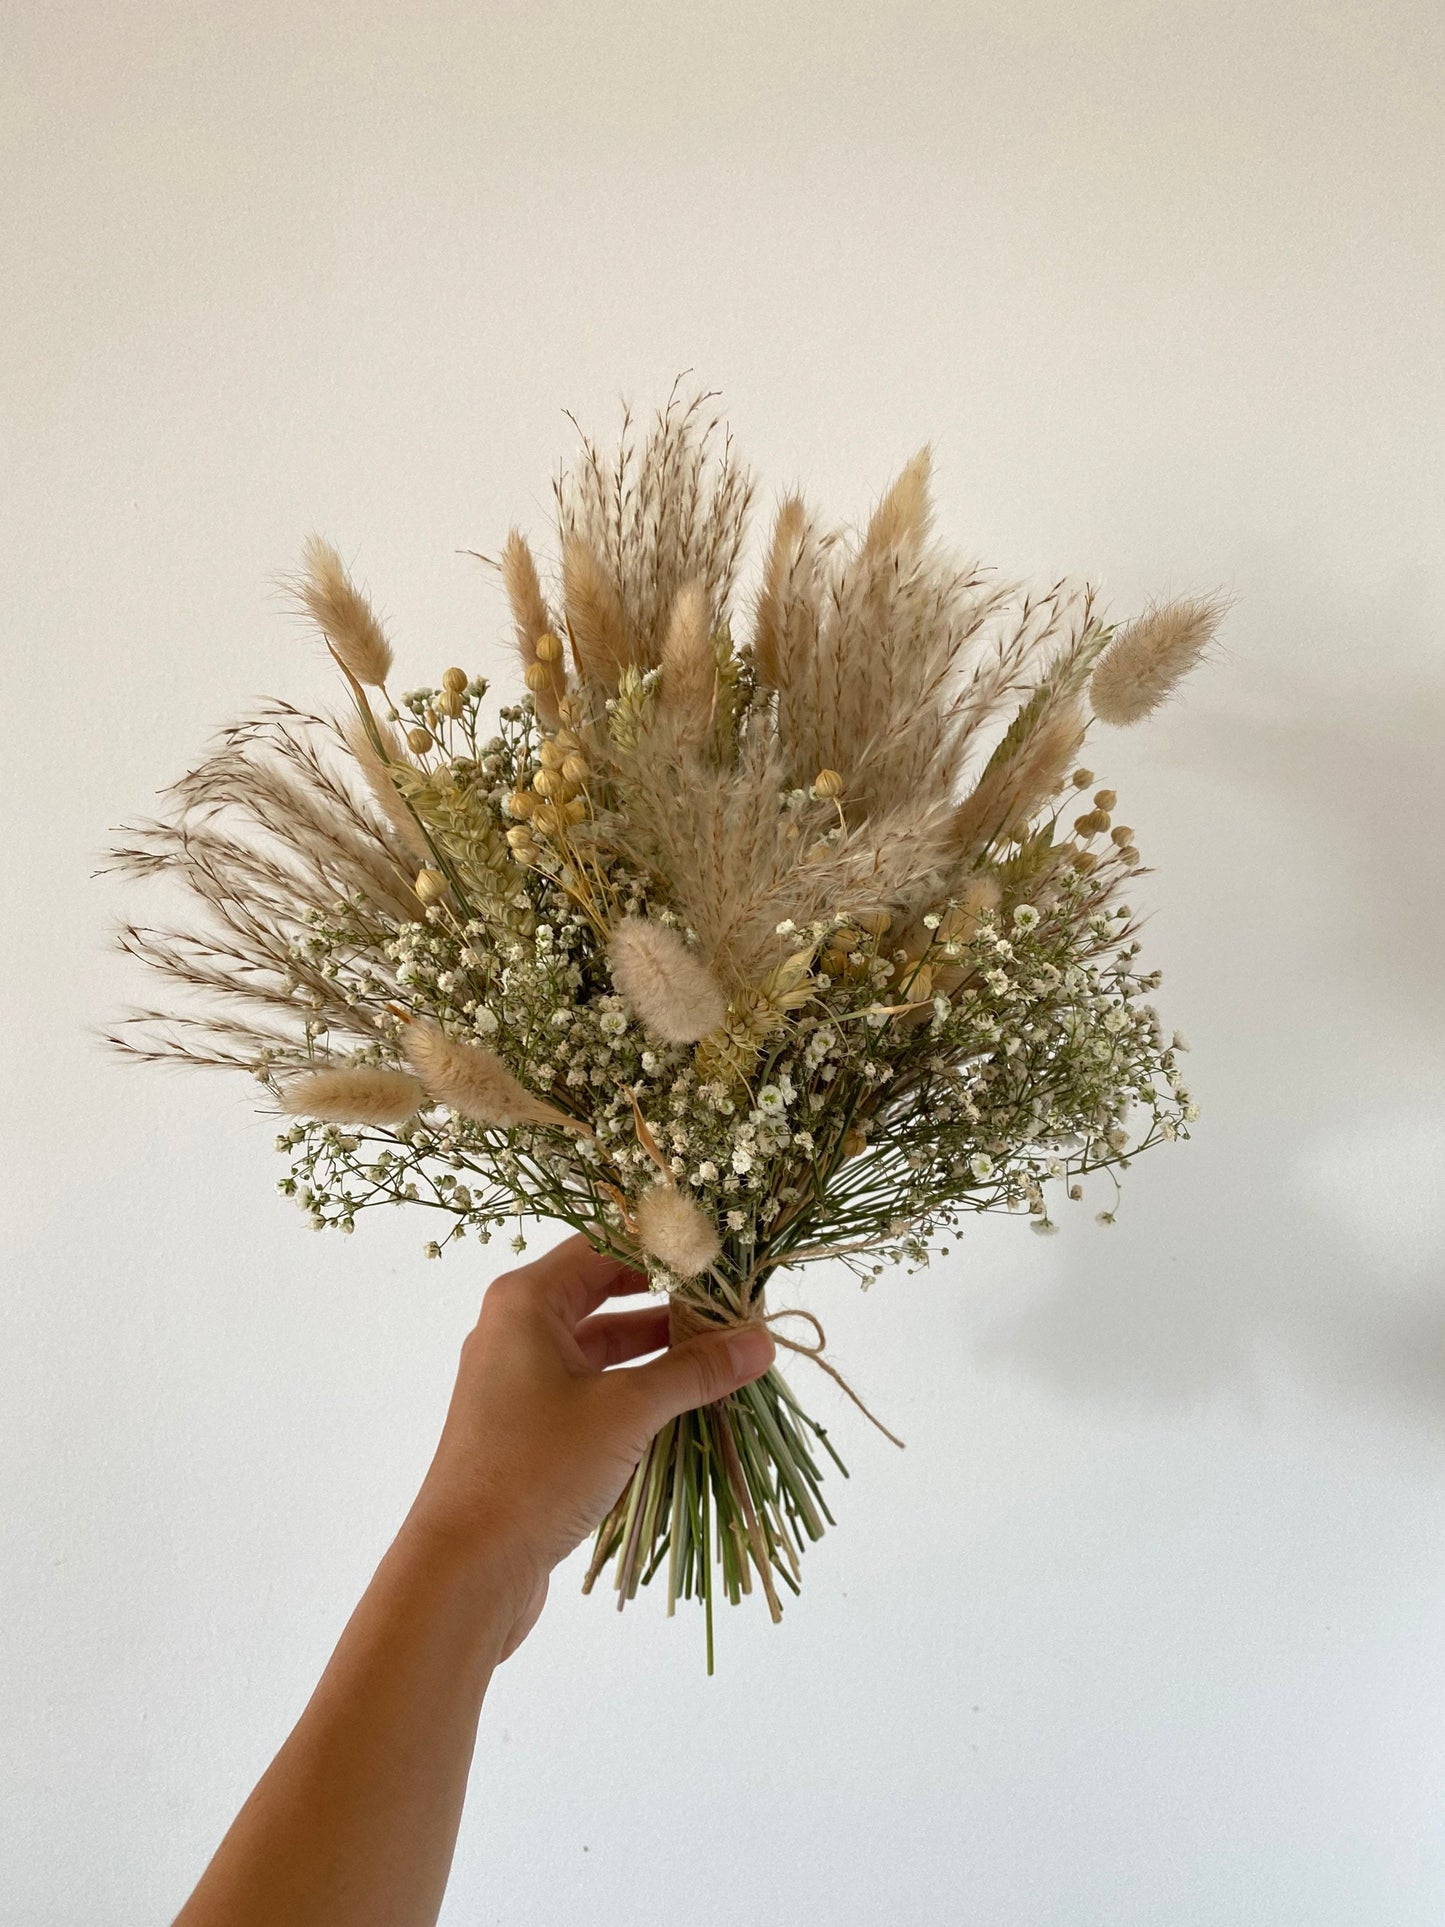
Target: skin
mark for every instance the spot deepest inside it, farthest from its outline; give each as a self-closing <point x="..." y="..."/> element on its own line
<point x="355" y="1821"/>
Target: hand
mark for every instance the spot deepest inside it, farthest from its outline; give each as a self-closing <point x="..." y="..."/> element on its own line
<point x="541" y="1435"/>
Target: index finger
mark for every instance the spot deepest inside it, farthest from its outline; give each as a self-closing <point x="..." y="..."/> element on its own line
<point x="574" y="1278"/>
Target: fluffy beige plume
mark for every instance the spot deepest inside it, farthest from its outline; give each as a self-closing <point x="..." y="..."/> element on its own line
<point x="901" y="520"/>
<point x="1145" y="661"/>
<point x="769" y="617"/>
<point x="363" y="1094"/>
<point x="378" y="780"/>
<point x="594" y="615"/>
<point x="688" y="689"/>
<point x="1012" y="787"/>
<point x="474" y="1083"/>
<point x="529" y="615"/>
<point x="674" y="994"/>
<point x="675" y="1231"/>
<point x="343" y="615"/>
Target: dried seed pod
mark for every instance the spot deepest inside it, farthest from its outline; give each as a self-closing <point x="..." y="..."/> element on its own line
<point x="1121" y="833"/>
<point x="419" y="740"/>
<point x="431" y="886"/>
<point x="1105" y="799"/>
<point x="550" y="753"/>
<point x="454" y="681"/>
<point x="521" y="803"/>
<point x="547" y="782"/>
<point x="575" y="768"/>
<point x="828" y="783"/>
<point x="548" y="648"/>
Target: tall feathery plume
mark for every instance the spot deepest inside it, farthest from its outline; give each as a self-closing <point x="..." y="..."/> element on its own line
<point x="674" y="1230"/>
<point x="475" y="1083"/>
<point x="530" y="618"/>
<point x="1011" y="789"/>
<point x="388" y="797"/>
<point x="594" y="616"/>
<point x="769" y="618"/>
<point x="902" y="518"/>
<point x="688" y="687"/>
<point x="343" y="615"/>
<point x="1147" y="661"/>
<point x="361" y="1094"/>
<point x="676" y="997"/>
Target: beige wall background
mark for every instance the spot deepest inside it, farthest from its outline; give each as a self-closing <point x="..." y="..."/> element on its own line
<point x="1146" y="1628"/>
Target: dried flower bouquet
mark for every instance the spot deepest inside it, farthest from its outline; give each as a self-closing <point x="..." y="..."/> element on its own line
<point x="734" y="953"/>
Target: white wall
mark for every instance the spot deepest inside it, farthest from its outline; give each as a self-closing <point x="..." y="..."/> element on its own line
<point x="1147" y="1625"/>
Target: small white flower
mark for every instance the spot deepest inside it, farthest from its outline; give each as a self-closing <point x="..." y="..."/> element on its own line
<point x="1179" y="1041"/>
<point x="432" y="1250"/>
<point x="742" y="1159"/>
<point x="736" y="1220"/>
<point x="932" y="920"/>
<point x="1026" y="917"/>
<point x="981" y="1165"/>
<point x="707" y="1171"/>
<point x="612" y="1023"/>
<point x="770" y="1101"/>
<point x="485" y="1022"/>
<point x="1044" y="1226"/>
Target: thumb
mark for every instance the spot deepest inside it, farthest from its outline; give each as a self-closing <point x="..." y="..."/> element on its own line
<point x="702" y="1370"/>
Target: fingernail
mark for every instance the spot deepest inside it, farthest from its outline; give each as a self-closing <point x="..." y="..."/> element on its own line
<point x="750" y="1353"/>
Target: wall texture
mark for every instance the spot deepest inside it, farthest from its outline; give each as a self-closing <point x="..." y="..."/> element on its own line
<point x="1147" y="1625"/>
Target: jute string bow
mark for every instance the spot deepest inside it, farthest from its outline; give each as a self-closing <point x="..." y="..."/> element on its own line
<point x="687" y="1317"/>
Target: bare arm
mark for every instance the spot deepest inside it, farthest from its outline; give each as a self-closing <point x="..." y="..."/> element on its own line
<point x="354" y="1822"/>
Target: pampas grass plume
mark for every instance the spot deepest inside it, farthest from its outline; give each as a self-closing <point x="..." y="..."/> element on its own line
<point x="594" y="615"/>
<point x="1147" y="660"/>
<point x="530" y="616"/>
<point x="474" y="1083"/>
<point x="671" y="989"/>
<point x="360" y="1094"/>
<point x="389" y="799"/>
<point x="675" y="1231"/>
<point x="689" y="673"/>
<point x="343" y="615"/>
<point x="901" y="520"/>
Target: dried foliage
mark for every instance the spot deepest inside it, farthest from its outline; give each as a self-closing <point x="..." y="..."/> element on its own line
<point x="735" y="950"/>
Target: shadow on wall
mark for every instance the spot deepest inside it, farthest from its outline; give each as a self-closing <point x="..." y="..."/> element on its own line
<point x="1304" y="1227"/>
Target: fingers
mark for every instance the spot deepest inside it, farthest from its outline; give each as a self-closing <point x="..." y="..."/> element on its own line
<point x="612" y="1337"/>
<point x="574" y="1278"/>
<point x="701" y="1370"/>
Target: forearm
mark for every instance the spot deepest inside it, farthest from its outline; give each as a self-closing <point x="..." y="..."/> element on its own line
<point x="355" y="1821"/>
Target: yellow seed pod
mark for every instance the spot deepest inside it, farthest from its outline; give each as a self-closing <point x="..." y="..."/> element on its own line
<point x="450" y="703"/>
<point x="828" y="783"/>
<point x="521" y="803"/>
<point x="1121" y="833"/>
<point x="1090" y="823"/>
<point x="551" y="755"/>
<point x="545" y="818"/>
<point x="454" y="681"/>
<point x="431" y="886"/>
<point x="548" y="648"/>
<point x="1082" y="778"/>
<point x="1129" y="854"/>
<point x="853" y="1143"/>
<point x="419" y="740"/>
<point x="575" y="768"/>
<point x="547" y="782"/>
<point x="523" y="846"/>
<point x="567" y="739"/>
<point x="1084" y="861"/>
<point x="537" y="676"/>
<point x="1105" y="799"/>
<point x="575" y="811"/>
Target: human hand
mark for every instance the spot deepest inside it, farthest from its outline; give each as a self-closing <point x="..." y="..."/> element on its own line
<point x="541" y="1435"/>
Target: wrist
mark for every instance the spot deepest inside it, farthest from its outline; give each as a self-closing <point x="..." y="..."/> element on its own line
<point x="480" y="1550"/>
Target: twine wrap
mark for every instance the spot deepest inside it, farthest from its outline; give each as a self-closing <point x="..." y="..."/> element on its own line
<point x="688" y="1317"/>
